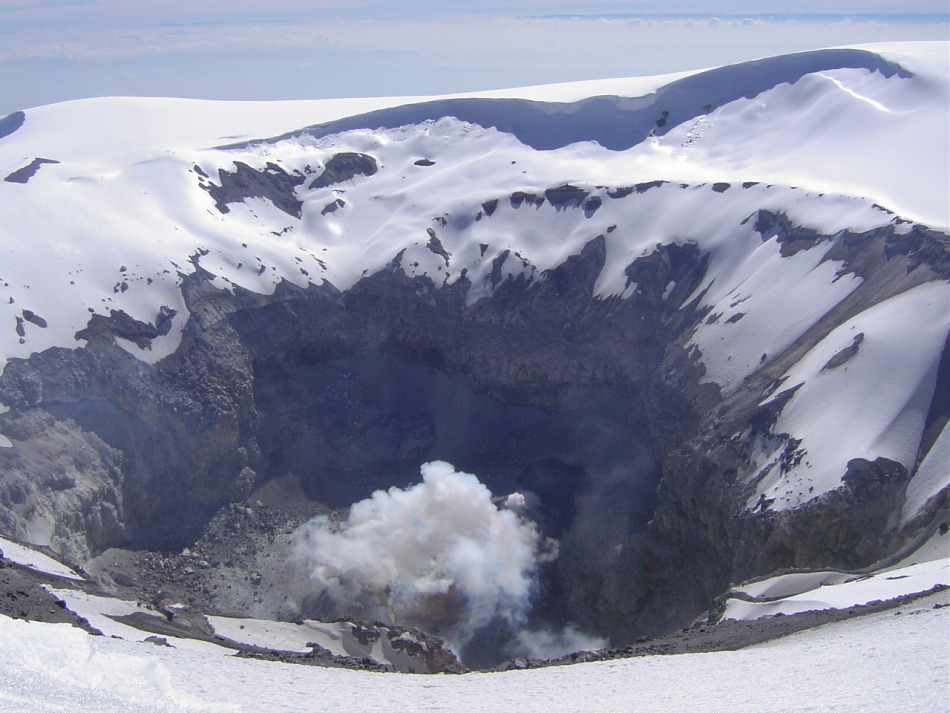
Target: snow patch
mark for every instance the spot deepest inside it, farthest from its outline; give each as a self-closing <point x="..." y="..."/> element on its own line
<point x="809" y="591"/>
<point x="69" y="670"/>
<point x="874" y="405"/>
<point x="28" y="557"/>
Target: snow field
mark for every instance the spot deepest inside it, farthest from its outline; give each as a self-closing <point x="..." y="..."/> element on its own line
<point x="124" y="195"/>
<point x="15" y="552"/>
<point x="873" y="663"/>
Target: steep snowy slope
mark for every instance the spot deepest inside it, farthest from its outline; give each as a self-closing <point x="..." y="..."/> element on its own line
<point x="717" y="299"/>
<point x="55" y="667"/>
<point x="122" y="189"/>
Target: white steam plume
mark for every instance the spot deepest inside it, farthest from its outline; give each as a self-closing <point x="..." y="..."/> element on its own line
<point x="549" y="644"/>
<point x="439" y="555"/>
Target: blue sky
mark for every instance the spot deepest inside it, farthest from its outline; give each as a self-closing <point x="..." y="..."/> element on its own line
<point x="53" y="50"/>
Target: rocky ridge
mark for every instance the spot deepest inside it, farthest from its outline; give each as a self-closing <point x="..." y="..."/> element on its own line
<point x="25" y="594"/>
<point x="341" y="393"/>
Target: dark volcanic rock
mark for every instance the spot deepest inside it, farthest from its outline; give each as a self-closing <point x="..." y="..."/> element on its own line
<point x="23" y="596"/>
<point x="119" y="324"/>
<point x="791" y="237"/>
<point x="343" y="167"/>
<point x="332" y="207"/>
<point x="318" y="657"/>
<point x="33" y="318"/>
<point x="23" y="175"/>
<point x="519" y="197"/>
<point x="846" y="354"/>
<point x="591" y="205"/>
<point x="271" y="182"/>
<point x="565" y="196"/>
<point x="158" y="641"/>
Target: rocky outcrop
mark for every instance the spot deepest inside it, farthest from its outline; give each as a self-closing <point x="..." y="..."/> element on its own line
<point x="344" y="167"/>
<point x="23" y="175"/>
<point x="280" y="187"/>
<point x="272" y="182"/>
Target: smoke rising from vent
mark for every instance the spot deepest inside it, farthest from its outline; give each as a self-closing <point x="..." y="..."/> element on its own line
<point x="549" y="644"/>
<point x="439" y="555"/>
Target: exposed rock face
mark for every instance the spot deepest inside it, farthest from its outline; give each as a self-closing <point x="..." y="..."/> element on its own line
<point x="277" y="185"/>
<point x="23" y="175"/>
<point x="343" y="167"/>
<point x="24" y="594"/>
<point x="272" y="183"/>
<point x="594" y="405"/>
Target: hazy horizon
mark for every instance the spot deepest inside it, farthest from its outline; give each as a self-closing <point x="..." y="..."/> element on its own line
<point x="71" y="49"/>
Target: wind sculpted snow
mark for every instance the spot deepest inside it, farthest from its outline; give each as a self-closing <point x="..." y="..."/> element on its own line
<point x="617" y="123"/>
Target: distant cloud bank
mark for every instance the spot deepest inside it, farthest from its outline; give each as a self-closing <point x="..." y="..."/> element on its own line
<point x="52" y="52"/>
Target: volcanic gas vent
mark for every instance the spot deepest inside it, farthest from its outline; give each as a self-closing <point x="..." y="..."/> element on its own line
<point x="439" y="555"/>
<point x="673" y="344"/>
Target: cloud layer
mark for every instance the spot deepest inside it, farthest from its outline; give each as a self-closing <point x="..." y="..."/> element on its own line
<point x="57" y="51"/>
<point x="456" y="36"/>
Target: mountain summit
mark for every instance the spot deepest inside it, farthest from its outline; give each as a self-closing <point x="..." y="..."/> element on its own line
<point x="693" y="327"/>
